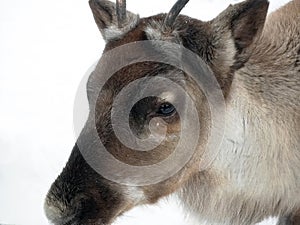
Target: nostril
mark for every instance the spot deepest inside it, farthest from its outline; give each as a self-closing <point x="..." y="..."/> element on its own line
<point x="80" y="209"/>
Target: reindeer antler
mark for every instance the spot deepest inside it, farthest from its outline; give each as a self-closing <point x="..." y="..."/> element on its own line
<point x="121" y="12"/>
<point x="173" y="14"/>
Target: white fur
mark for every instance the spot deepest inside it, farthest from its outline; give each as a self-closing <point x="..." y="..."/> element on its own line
<point x="134" y="194"/>
<point x="251" y="167"/>
<point x="114" y="32"/>
<point x="167" y="96"/>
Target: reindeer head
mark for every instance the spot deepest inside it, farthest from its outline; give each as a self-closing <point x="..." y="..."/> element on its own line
<point x="143" y="79"/>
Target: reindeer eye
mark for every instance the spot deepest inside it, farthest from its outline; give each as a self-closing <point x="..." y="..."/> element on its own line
<point x="166" y="109"/>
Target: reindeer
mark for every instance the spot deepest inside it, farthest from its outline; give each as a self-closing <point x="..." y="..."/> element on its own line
<point x="256" y="173"/>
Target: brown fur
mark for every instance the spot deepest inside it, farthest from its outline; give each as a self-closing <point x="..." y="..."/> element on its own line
<point x="256" y="173"/>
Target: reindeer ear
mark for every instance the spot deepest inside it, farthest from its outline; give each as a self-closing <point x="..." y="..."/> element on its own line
<point x="245" y="20"/>
<point x="105" y="15"/>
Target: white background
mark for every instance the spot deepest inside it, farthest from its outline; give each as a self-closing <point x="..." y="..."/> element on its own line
<point x="45" y="49"/>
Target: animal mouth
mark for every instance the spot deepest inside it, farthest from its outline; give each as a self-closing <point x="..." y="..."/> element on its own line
<point x="75" y="221"/>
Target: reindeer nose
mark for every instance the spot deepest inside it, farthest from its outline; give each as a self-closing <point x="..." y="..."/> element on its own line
<point x="79" y="211"/>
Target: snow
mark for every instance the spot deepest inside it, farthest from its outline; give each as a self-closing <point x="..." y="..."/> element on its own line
<point x="45" y="49"/>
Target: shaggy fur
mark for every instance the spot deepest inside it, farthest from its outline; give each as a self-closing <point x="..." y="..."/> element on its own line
<point x="256" y="174"/>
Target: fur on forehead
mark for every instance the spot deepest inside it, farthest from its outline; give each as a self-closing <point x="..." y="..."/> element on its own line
<point x="132" y="72"/>
<point x="165" y="84"/>
<point x="154" y="31"/>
